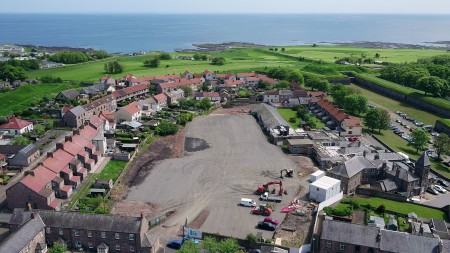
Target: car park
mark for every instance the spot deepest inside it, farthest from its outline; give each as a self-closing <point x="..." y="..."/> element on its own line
<point x="273" y="221"/>
<point x="432" y="191"/>
<point x="439" y="189"/>
<point x="266" y="226"/>
<point x="443" y="183"/>
<point x="419" y="124"/>
<point x="403" y="123"/>
<point x="398" y="120"/>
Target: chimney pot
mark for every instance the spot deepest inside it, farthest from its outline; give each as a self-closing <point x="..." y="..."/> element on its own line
<point x="33" y="215"/>
<point x="50" y="154"/>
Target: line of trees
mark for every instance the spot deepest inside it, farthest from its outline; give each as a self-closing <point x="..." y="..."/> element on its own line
<point x="286" y="74"/>
<point x="78" y="57"/>
<point x="431" y="75"/>
<point x="347" y="99"/>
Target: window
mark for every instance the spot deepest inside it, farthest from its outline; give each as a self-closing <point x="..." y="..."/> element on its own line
<point x="76" y="232"/>
<point x="117" y="236"/>
<point x="103" y="234"/>
<point x="350" y="132"/>
<point x="90" y="245"/>
<point x="77" y="244"/>
<point x="89" y="233"/>
<point x="131" y="237"/>
<point x="30" y="198"/>
<point x="342" y="246"/>
<point x="328" y="245"/>
<point x="317" y="189"/>
<point x="61" y="232"/>
<point x="48" y="230"/>
<point x="131" y="248"/>
<point x="117" y="246"/>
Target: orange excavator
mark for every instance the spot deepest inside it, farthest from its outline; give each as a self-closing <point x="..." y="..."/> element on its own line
<point x="265" y="187"/>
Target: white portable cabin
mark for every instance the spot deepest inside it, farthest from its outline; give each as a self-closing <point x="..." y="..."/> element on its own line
<point x="316" y="175"/>
<point x="324" y="188"/>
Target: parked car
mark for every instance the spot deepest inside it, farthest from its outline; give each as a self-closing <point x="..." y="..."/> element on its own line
<point x="432" y="191"/>
<point x="398" y="121"/>
<point x="439" y="189"/>
<point x="248" y="202"/>
<point x="266" y="226"/>
<point x="269" y="219"/>
<point x="403" y="123"/>
<point x="446" y="164"/>
<point x="443" y="183"/>
<point x="419" y="124"/>
<point x="175" y="244"/>
<point x="434" y="134"/>
<point x="398" y="112"/>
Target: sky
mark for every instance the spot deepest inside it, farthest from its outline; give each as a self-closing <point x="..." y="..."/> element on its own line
<point x="226" y="6"/>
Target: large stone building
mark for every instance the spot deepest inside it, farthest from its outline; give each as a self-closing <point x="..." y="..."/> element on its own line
<point x="77" y="116"/>
<point x="91" y="232"/>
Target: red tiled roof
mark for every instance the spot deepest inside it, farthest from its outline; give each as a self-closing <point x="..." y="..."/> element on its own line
<point x="207" y="72"/>
<point x="67" y="170"/>
<point x="181" y="82"/>
<point x="131" y="108"/>
<point x="97" y="153"/>
<point x="186" y="72"/>
<point x="66" y="109"/>
<point x="80" y="140"/>
<point x="316" y="94"/>
<point x="130" y="90"/>
<point x="88" y="133"/>
<point x="90" y="161"/>
<point x="233" y="82"/>
<point x="63" y="156"/>
<point x="160" y="97"/>
<point x="72" y="148"/>
<point x="90" y="146"/>
<point x="55" y="203"/>
<point x="33" y="183"/>
<point x="337" y="113"/>
<point x="267" y="79"/>
<point x="75" y="179"/>
<point x="83" y="153"/>
<point x="2" y="156"/>
<point x="96" y="121"/>
<point x="129" y="76"/>
<point x="353" y="122"/>
<point x="252" y="78"/>
<point x="208" y="94"/>
<point x="54" y="164"/>
<point x="82" y="171"/>
<point x="66" y="188"/>
<point x="246" y="74"/>
<point x="15" y="123"/>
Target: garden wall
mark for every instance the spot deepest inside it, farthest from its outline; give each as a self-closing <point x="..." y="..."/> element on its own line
<point x="374" y="193"/>
<point x="400" y="96"/>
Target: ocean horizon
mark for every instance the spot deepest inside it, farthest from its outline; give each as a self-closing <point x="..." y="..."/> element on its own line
<point x="129" y="32"/>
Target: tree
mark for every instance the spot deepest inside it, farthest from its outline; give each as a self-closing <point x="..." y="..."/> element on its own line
<point x="12" y="73"/>
<point x="113" y="67"/>
<point x="317" y="83"/>
<point x="442" y="145"/>
<point x="339" y="92"/>
<point x="251" y="238"/>
<point x="166" y="128"/>
<point x="187" y="91"/>
<point x="372" y="118"/>
<point x="152" y="63"/>
<point x="377" y="55"/>
<point x="189" y="247"/>
<point x="419" y="139"/>
<point x="283" y="49"/>
<point x="209" y="244"/>
<point x="20" y="140"/>
<point x="282" y="85"/>
<point x="204" y="104"/>
<point x="355" y="103"/>
<point x="229" y="245"/>
<point x="381" y="209"/>
<point x="385" y="120"/>
<point x="57" y="248"/>
<point x="205" y="85"/>
<point x="165" y="56"/>
<point x="39" y="129"/>
<point x="218" y="61"/>
<point x="433" y="85"/>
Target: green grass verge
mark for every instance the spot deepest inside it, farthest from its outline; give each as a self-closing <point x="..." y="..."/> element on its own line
<point x="394" y="105"/>
<point x="402" y="207"/>
<point x="22" y="97"/>
<point x="445" y="122"/>
<point x="82" y="192"/>
<point x="112" y="170"/>
<point x="405" y="90"/>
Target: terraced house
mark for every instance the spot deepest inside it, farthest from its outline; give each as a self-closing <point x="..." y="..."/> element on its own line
<point x="77" y="116"/>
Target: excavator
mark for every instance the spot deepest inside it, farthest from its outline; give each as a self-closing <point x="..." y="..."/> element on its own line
<point x="262" y="210"/>
<point x="289" y="172"/>
<point x="265" y="188"/>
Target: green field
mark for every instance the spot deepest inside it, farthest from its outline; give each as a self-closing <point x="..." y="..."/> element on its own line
<point x="22" y="98"/>
<point x="401" y="207"/>
<point x="330" y="53"/>
<point x="112" y="170"/>
<point x="394" y="105"/>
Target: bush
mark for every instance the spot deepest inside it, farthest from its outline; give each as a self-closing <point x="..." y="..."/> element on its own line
<point x="381" y="209"/>
<point x="251" y="238"/>
<point x="166" y="128"/>
<point x="292" y="120"/>
<point x="338" y="211"/>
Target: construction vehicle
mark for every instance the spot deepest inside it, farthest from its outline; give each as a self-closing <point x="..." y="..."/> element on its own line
<point x="266" y="197"/>
<point x="265" y="187"/>
<point x="262" y="210"/>
<point x="289" y="173"/>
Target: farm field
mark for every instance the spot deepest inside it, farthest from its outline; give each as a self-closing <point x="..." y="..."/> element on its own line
<point x="331" y="53"/>
<point x="22" y="98"/>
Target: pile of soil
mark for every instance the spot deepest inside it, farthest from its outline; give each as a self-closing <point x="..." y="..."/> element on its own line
<point x="134" y="208"/>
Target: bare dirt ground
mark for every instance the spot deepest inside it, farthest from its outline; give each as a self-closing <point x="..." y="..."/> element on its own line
<point x="236" y="110"/>
<point x="238" y="159"/>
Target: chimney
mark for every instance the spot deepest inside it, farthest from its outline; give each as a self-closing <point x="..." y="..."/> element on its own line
<point x="33" y="215"/>
<point x="40" y="164"/>
<point x="50" y="154"/>
<point x="59" y="146"/>
<point x="76" y="132"/>
<point x="377" y="156"/>
<point x="68" y="138"/>
<point x="364" y="153"/>
<point x="30" y="172"/>
<point x="81" y="127"/>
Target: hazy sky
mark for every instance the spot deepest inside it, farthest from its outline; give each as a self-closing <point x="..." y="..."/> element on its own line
<point x="226" y="6"/>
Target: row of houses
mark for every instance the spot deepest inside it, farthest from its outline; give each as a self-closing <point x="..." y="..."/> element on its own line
<point x="36" y="230"/>
<point x="63" y="170"/>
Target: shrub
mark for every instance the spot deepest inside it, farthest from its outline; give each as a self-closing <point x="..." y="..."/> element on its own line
<point x="292" y="120"/>
<point x="251" y="238"/>
<point x="381" y="209"/>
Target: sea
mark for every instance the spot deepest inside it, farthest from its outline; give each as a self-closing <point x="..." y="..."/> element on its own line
<point x="126" y="33"/>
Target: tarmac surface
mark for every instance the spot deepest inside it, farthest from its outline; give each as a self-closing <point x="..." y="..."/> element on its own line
<point x="231" y="157"/>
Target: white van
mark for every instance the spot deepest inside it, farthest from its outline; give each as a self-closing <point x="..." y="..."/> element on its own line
<point x="248" y="202"/>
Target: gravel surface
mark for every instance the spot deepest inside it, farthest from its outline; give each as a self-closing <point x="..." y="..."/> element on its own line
<point x="239" y="158"/>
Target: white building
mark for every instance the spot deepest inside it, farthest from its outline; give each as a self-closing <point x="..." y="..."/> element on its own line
<point x="17" y="126"/>
<point x="324" y="188"/>
<point x="316" y="176"/>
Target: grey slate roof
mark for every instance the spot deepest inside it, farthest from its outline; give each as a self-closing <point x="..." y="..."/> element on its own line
<point x="423" y="160"/>
<point x="76" y="220"/>
<point x="392" y="241"/>
<point x="95" y="89"/>
<point x="439" y="225"/>
<point x="404" y="173"/>
<point x="10" y="149"/>
<point x="29" y="150"/>
<point x="338" y="231"/>
<point x="387" y="185"/>
<point x="21" y="237"/>
<point x="78" y="110"/>
<point x="70" y="94"/>
<point x="352" y="167"/>
<point x="269" y="116"/>
<point x="389" y="156"/>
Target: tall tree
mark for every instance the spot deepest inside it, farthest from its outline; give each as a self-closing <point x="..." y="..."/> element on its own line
<point x="189" y="247"/>
<point x="12" y="73"/>
<point x="187" y="91"/>
<point x="419" y="139"/>
<point x="113" y="67"/>
<point x="385" y="120"/>
<point x="355" y="103"/>
<point x="442" y="145"/>
<point x="372" y="118"/>
<point x="20" y="140"/>
<point x="433" y="85"/>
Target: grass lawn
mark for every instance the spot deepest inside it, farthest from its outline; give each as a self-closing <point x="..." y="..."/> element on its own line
<point x="402" y="207"/>
<point x="112" y="170"/>
<point x="21" y="98"/>
<point x="331" y="53"/>
<point x="288" y="113"/>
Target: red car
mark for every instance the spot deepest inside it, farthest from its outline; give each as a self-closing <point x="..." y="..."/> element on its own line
<point x="270" y="220"/>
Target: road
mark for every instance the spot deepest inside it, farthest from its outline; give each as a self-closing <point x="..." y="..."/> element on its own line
<point x="238" y="159"/>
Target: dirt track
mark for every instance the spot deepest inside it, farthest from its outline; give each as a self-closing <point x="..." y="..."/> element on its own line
<point x="238" y="159"/>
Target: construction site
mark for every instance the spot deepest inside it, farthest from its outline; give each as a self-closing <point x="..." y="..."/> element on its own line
<point x="225" y="158"/>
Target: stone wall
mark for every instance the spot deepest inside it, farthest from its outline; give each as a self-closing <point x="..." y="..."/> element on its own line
<point x="400" y="97"/>
<point x="374" y="193"/>
<point x="345" y="81"/>
<point x="441" y="128"/>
